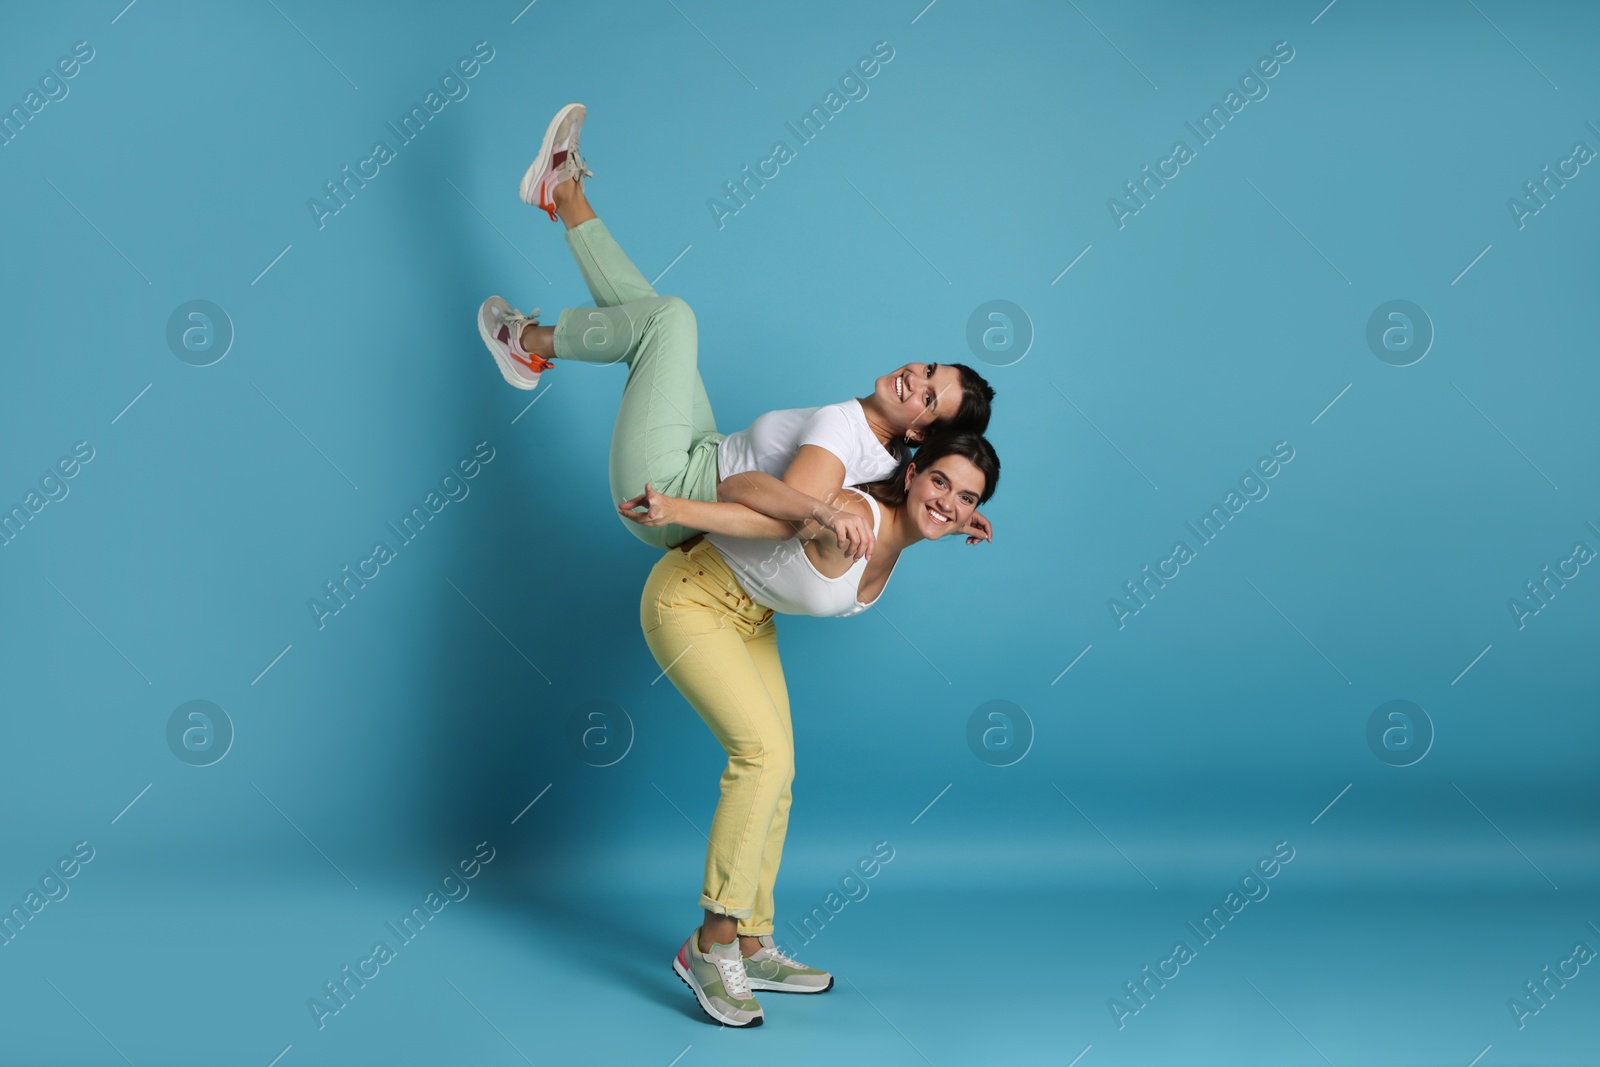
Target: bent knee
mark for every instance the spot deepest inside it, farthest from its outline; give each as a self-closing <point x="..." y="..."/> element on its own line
<point x="676" y="310"/>
<point x="769" y="759"/>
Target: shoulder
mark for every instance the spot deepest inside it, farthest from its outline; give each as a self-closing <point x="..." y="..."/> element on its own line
<point x="832" y="428"/>
<point x="831" y="414"/>
<point x="856" y="502"/>
<point x="782" y="419"/>
<point x="845" y="422"/>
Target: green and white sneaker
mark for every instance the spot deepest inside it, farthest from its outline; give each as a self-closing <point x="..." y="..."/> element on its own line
<point x="768" y="969"/>
<point x="718" y="981"/>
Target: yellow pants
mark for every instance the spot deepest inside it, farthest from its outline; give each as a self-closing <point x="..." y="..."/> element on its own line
<point x="720" y="648"/>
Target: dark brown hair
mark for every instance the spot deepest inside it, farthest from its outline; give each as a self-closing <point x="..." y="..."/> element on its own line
<point x="976" y="397"/>
<point x="973" y="447"/>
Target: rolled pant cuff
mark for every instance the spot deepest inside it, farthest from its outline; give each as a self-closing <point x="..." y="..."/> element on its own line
<point x="717" y="908"/>
<point x="755" y="933"/>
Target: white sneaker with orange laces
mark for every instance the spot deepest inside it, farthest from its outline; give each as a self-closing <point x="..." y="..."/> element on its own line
<point x="557" y="161"/>
<point x="501" y="325"/>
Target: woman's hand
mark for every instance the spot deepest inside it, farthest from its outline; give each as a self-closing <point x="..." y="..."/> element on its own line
<point x="659" y="508"/>
<point x="977" y="529"/>
<point x="853" y="531"/>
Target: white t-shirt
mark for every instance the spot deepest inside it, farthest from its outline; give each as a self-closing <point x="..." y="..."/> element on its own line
<point x="774" y="439"/>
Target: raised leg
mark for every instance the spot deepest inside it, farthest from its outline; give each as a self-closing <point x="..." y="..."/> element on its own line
<point x="662" y="434"/>
<point x="607" y="271"/>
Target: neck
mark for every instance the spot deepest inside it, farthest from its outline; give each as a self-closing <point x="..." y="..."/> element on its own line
<point x="880" y="426"/>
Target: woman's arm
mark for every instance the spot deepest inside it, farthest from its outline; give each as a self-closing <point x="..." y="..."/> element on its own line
<point x="807" y="491"/>
<point x="729" y="519"/>
<point x="762" y="492"/>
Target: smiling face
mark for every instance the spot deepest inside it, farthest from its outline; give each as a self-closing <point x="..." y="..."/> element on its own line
<point x="943" y="497"/>
<point x="918" y="394"/>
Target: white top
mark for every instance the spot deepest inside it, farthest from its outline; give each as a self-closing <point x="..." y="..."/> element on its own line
<point x="779" y="575"/>
<point x="774" y="439"/>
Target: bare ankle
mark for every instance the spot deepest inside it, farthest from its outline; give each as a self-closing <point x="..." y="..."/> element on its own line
<point x="538" y="339"/>
<point x="572" y="207"/>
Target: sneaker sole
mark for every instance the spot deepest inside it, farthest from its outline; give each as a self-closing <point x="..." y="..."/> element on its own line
<point x="501" y="359"/>
<point x="529" y="190"/>
<point x="764" y="986"/>
<point x="705" y="1007"/>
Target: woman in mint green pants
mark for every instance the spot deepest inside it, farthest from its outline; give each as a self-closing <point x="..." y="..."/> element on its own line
<point x="665" y="434"/>
<point x="664" y="414"/>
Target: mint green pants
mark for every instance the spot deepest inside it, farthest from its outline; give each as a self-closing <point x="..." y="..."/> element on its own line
<point x="665" y="433"/>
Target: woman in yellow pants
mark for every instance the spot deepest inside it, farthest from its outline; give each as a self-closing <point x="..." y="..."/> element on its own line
<point x="707" y="613"/>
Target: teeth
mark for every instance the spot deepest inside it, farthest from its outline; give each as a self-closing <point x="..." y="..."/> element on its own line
<point x="900" y="387"/>
<point x="938" y="518"/>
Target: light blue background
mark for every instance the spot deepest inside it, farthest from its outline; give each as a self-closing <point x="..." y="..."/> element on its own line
<point x="428" y="714"/>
